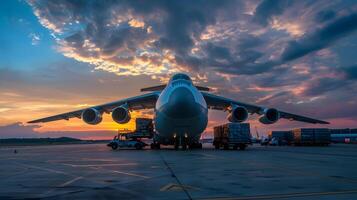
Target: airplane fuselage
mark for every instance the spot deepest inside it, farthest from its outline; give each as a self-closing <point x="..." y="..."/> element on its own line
<point x="180" y="112"/>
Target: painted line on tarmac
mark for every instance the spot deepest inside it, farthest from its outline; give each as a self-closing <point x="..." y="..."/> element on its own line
<point x="45" y="169"/>
<point x="99" y="165"/>
<point x="70" y="181"/>
<point x="129" y="174"/>
<point x="284" y="196"/>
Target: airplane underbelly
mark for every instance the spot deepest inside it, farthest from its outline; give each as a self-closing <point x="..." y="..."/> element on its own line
<point x="167" y="127"/>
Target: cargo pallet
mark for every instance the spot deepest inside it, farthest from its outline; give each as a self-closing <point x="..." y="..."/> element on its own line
<point x="232" y="135"/>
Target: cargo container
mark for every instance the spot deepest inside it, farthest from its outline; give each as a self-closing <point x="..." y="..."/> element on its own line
<point x="282" y="137"/>
<point x="322" y="136"/>
<point x="311" y="136"/>
<point x="144" y="129"/>
<point x="235" y="135"/>
<point x="144" y="124"/>
<point x="340" y="131"/>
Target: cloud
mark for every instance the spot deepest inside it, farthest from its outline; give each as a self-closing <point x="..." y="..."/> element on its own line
<point x="350" y="72"/>
<point x="282" y="54"/>
<point x="19" y="130"/>
<point x="269" y="8"/>
<point x="321" y="38"/>
<point x="35" y="39"/>
<point x="115" y="36"/>
<point x="325" y="15"/>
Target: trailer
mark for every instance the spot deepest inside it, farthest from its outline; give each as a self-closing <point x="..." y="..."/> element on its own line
<point x="282" y="137"/>
<point x="232" y="135"/>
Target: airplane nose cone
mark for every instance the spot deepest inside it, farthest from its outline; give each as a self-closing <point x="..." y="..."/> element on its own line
<point x="182" y="104"/>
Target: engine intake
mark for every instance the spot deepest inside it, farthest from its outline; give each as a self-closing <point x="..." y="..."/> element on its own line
<point x="121" y="115"/>
<point x="92" y="116"/>
<point x="238" y="114"/>
<point x="270" y="116"/>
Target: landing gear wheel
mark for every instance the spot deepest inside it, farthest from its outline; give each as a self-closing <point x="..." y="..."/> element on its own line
<point x="226" y="147"/>
<point x="199" y="146"/>
<point x="138" y="146"/>
<point x="184" y="143"/>
<point x="242" y="146"/>
<point x="155" y="145"/>
<point x="114" y="146"/>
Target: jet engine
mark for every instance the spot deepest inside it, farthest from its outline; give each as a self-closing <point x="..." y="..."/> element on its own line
<point x="270" y="116"/>
<point x="238" y="114"/>
<point x="92" y="116"/>
<point x="121" y="115"/>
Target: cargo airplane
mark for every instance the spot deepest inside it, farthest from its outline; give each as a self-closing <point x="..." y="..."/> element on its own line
<point x="180" y="111"/>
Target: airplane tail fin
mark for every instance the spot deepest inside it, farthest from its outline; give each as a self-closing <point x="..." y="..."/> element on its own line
<point x="161" y="87"/>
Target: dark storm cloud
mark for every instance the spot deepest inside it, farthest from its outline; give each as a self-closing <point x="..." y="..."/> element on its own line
<point x="269" y="8"/>
<point x="254" y="44"/>
<point x="170" y="24"/>
<point x="321" y="38"/>
<point x="102" y="31"/>
<point x="325" y="15"/>
<point x="350" y="72"/>
<point x="249" y="41"/>
<point x="323" y="85"/>
<point x="295" y="49"/>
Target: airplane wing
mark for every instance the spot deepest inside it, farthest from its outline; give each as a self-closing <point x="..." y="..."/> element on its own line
<point x="145" y="101"/>
<point x="162" y="87"/>
<point x="222" y="103"/>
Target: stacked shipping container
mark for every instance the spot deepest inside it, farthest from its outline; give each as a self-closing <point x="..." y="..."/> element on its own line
<point x="311" y="136"/>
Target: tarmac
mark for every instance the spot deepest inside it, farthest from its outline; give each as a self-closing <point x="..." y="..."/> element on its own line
<point x="94" y="171"/>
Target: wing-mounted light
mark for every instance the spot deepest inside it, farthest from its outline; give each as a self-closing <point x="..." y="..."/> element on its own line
<point x="238" y="114"/>
<point x="270" y="116"/>
<point x="92" y="116"/>
<point x="121" y="114"/>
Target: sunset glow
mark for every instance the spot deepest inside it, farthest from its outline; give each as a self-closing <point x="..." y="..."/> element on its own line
<point x="59" y="56"/>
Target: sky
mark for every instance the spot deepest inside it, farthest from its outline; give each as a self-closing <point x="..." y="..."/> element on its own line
<point x="59" y="56"/>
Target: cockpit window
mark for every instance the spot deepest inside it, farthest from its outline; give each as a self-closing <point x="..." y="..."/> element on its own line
<point x="181" y="76"/>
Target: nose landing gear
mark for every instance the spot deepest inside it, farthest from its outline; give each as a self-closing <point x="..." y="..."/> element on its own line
<point x="181" y="141"/>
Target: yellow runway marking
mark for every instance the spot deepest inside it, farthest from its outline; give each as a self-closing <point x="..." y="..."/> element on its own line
<point x="284" y="196"/>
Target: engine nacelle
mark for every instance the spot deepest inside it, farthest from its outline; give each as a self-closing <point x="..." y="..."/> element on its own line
<point x="238" y="114"/>
<point x="270" y="116"/>
<point x="121" y="115"/>
<point x="92" y="116"/>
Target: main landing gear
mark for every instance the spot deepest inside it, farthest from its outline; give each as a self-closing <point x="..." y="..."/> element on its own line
<point x="185" y="144"/>
<point x="155" y="145"/>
